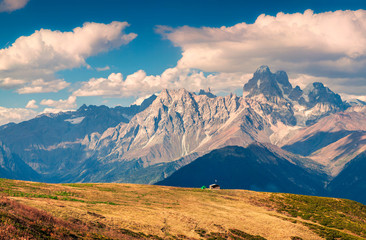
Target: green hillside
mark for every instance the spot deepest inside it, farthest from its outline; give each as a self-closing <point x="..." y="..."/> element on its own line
<point x="129" y="211"/>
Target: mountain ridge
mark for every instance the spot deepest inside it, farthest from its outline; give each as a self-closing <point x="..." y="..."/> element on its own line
<point x="147" y="143"/>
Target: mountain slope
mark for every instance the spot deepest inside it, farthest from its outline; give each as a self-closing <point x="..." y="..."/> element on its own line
<point x="291" y="106"/>
<point x="333" y="141"/>
<point x="11" y="166"/>
<point x="179" y="123"/>
<point x="52" y="144"/>
<point x="256" y="167"/>
<point x="19" y="221"/>
<point x="157" y="212"/>
<point x="147" y="143"/>
<point x="351" y="182"/>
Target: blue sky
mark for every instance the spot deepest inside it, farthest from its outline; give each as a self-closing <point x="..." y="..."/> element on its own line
<point x="150" y="50"/>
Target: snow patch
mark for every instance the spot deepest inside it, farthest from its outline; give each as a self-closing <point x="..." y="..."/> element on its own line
<point x="129" y="117"/>
<point x="150" y="141"/>
<point x="282" y="132"/>
<point x="184" y="147"/>
<point x="75" y="120"/>
<point x="245" y="93"/>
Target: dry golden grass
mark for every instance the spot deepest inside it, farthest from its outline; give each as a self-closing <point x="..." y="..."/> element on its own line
<point x="159" y="210"/>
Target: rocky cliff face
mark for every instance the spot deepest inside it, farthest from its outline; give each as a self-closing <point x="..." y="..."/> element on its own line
<point x="179" y="123"/>
<point x="52" y="144"/>
<point x="146" y="143"/>
<point x="11" y="166"/>
<point x="291" y="106"/>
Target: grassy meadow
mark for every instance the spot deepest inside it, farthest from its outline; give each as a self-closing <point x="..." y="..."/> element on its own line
<point x="33" y="210"/>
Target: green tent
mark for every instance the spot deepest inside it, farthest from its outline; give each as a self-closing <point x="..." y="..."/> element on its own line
<point x="203" y="187"/>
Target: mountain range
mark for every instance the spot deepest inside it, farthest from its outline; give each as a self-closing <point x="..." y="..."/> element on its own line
<point x="275" y="137"/>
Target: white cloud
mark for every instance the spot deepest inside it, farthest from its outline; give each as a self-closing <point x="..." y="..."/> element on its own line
<point x="60" y="105"/>
<point x="36" y="58"/>
<point x="55" y="110"/>
<point x="106" y="68"/>
<point x="139" y="84"/>
<point x="32" y="104"/>
<point x="352" y="97"/>
<point x="329" y="44"/>
<point x="298" y="40"/>
<point x="41" y="86"/>
<point x="12" y="5"/>
<point x="15" y="115"/>
<point x="9" y="83"/>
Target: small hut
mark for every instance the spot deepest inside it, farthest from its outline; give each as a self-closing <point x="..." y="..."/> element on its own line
<point x="214" y="186"/>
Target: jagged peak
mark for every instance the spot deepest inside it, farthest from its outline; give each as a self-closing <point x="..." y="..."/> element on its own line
<point x="233" y="95"/>
<point x="263" y="69"/>
<point x="282" y="77"/>
<point x="316" y="86"/>
<point x="281" y="72"/>
<point x="207" y="93"/>
<point x="174" y="94"/>
<point x="164" y="94"/>
<point x="183" y="91"/>
<point x="140" y="101"/>
<point x="318" y="93"/>
<point x="265" y="82"/>
<point x="85" y="107"/>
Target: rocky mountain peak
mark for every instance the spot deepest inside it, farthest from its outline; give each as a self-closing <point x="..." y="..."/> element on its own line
<point x="207" y="93"/>
<point x="282" y="79"/>
<point x="164" y="96"/>
<point x="84" y="107"/>
<point x="316" y="93"/>
<point x="148" y="101"/>
<point x="168" y="95"/>
<point x="264" y="69"/>
<point x="267" y="83"/>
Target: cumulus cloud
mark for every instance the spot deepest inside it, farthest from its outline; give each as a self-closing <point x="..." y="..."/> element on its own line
<point x="15" y="115"/>
<point x="301" y="41"/>
<point x="9" y="83"/>
<point x="140" y="84"/>
<point x="12" y="5"/>
<point x="41" y="86"/>
<point x="36" y="58"/>
<point x="31" y="104"/>
<point x="329" y="44"/>
<point x="60" y="105"/>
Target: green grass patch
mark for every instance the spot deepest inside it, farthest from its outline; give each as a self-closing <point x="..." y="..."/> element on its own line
<point x="66" y="193"/>
<point x="330" y="234"/>
<point x="105" y="189"/>
<point x="339" y="214"/>
<point x="78" y="185"/>
<point x="15" y="193"/>
<point x="72" y="199"/>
